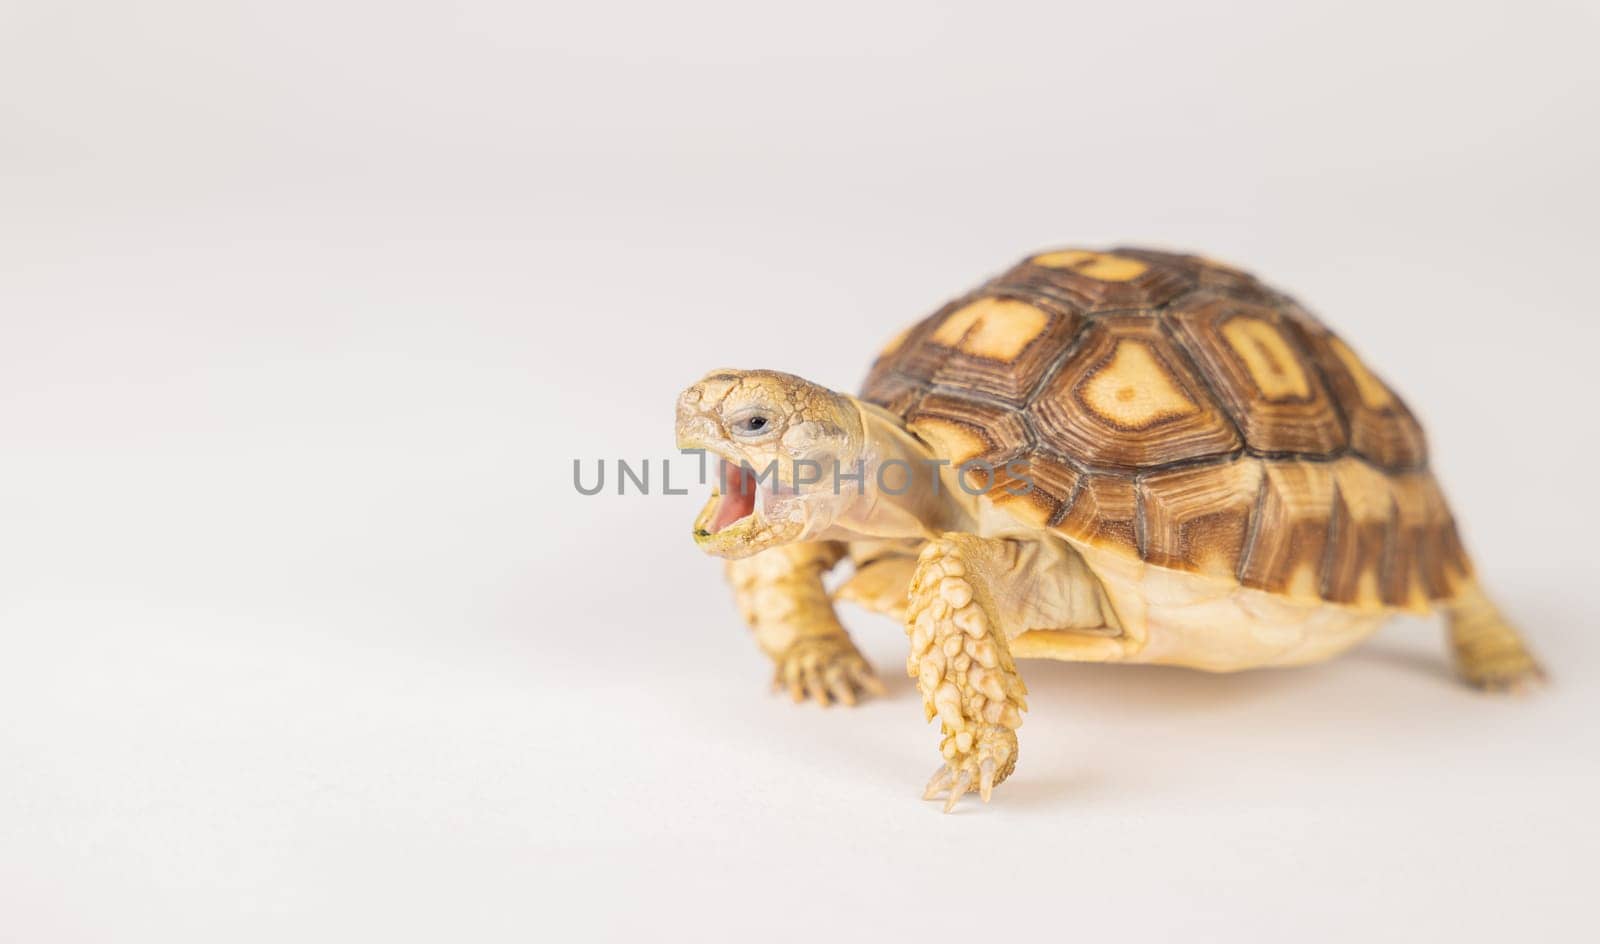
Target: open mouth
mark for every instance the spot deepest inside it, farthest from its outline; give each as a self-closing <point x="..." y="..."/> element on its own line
<point x="734" y="500"/>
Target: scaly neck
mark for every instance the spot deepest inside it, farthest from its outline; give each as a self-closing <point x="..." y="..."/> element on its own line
<point x="902" y="494"/>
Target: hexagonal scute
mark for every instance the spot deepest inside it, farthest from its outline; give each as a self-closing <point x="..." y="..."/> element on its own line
<point x="1427" y="560"/>
<point x="1381" y="427"/>
<point x="913" y="355"/>
<point x="1219" y="277"/>
<point x="1198" y="519"/>
<point x="961" y="429"/>
<point x="1092" y="282"/>
<point x="1363" y="510"/>
<point x="1291" y="529"/>
<point x="1035" y="489"/>
<point x="1104" y="513"/>
<point x="1269" y="385"/>
<point x="1127" y="399"/>
<point x="999" y="346"/>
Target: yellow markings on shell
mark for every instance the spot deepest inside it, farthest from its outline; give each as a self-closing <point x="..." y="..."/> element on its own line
<point x="1032" y="506"/>
<point x="1372" y="391"/>
<point x="894" y="343"/>
<point x="1268" y="357"/>
<point x="1133" y="390"/>
<point x="955" y="325"/>
<point x="1364" y="490"/>
<point x="1096" y="265"/>
<point x="951" y="440"/>
<point x="1299" y="496"/>
<point x="1368" y="497"/>
<point x="1305" y="582"/>
<point x="994" y="328"/>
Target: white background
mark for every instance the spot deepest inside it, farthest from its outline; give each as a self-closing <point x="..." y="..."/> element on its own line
<point x="308" y="307"/>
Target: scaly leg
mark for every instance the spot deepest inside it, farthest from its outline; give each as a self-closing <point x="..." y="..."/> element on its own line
<point x="1488" y="652"/>
<point x="781" y="596"/>
<point x="963" y="665"/>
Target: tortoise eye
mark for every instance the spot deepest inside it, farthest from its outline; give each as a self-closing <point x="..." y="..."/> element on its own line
<point x="753" y="425"/>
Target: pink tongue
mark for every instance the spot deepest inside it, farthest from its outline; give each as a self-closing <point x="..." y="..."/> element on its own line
<point x="738" y="498"/>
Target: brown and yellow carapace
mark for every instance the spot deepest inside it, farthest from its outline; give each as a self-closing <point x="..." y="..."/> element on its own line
<point x="1178" y="465"/>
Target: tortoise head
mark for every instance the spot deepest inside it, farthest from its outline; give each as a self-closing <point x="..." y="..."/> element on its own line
<point x="782" y="443"/>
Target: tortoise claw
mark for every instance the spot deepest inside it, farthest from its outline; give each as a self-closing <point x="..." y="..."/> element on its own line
<point x="827" y="670"/>
<point x="989" y="760"/>
<point x="958" y="791"/>
<point x="986" y="778"/>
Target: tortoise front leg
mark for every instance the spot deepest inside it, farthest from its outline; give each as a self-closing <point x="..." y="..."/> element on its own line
<point x="963" y="665"/>
<point x="781" y="596"/>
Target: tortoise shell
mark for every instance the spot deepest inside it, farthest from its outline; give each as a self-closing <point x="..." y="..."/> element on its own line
<point x="1177" y="410"/>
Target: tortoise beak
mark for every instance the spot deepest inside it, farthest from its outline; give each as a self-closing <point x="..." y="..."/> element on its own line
<point x="731" y="523"/>
<point x="732" y="507"/>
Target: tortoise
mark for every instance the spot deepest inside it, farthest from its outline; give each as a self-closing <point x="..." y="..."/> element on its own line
<point x="1100" y="456"/>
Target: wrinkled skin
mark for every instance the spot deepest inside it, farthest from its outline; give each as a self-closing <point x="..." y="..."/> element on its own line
<point x="974" y="590"/>
<point x="761" y="420"/>
<point x="782" y="536"/>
